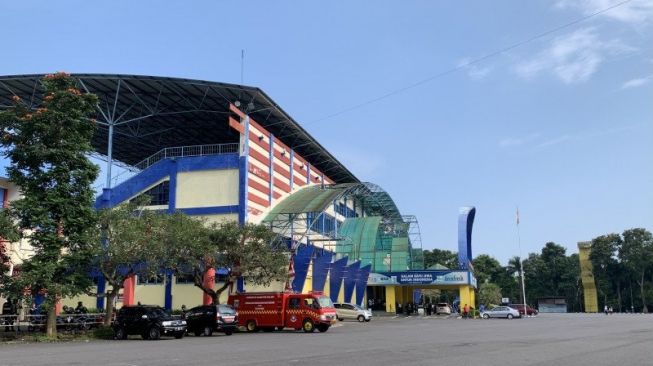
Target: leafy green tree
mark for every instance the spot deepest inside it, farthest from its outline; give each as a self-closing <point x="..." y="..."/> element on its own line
<point x="554" y="259"/>
<point x="48" y="150"/>
<point x="637" y="255"/>
<point x="514" y="269"/>
<point x="243" y="250"/>
<point x="486" y="268"/>
<point x="127" y="243"/>
<point x="489" y="293"/>
<point x="8" y="234"/>
<point x="442" y="257"/>
<point x="606" y="267"/>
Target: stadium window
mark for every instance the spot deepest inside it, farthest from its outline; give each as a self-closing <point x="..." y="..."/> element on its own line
<point x="185" y="279"/>
<point x="153" y="280"/>
<point x="159" y="194"/>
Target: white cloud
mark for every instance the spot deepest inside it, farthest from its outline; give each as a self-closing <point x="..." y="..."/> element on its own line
<point x="554" y="141"/>
<point x="573" y="57"/>
<point x="518" y="141"/>
<point x="633" y="12"/>
<point x="634" y="83"/>
<point x="473" y="71"/>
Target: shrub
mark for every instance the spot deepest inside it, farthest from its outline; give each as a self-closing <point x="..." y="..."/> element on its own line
<point x="103" y="332"/>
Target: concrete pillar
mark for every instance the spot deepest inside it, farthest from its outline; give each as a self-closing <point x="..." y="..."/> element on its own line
<point x="390" y="299"/>
<point x="208" y="282"/>
<point x="466" y="296"/>
<point x="129" y="285"/>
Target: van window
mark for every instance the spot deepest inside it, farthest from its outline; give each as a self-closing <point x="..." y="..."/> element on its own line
<point x="311" y="303"/>
<point x="293" y="303"/>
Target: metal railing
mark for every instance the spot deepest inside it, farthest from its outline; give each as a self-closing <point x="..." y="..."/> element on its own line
<point x="175" y="152"/>
<point x="68" y="322"/>
<point x="183" y="151"/>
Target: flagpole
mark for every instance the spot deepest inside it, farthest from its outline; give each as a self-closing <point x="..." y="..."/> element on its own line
<point x="521" y="266"/>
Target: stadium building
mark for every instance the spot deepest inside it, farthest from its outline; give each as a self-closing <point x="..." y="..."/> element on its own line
<point x="225" y="152"/>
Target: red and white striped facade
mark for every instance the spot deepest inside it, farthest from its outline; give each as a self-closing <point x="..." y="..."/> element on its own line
<point x="274" y="170"/>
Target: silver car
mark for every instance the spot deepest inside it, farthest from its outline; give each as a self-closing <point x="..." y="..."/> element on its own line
<point x="352" y="311"/>
<point x="501" y="312"/>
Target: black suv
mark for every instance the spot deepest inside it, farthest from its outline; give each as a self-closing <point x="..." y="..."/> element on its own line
<point x="207" y="318"/>
<point x="151" y="322"/>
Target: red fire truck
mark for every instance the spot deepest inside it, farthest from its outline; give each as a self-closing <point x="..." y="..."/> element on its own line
<point x="268" y="311"/>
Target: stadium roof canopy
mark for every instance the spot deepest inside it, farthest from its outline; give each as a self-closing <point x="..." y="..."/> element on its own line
<point x="150" y="113"/>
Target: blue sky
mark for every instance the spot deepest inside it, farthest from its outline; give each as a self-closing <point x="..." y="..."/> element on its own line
<point x="560" y="126"/>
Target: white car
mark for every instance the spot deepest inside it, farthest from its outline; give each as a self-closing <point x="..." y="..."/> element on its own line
<point x="352" y="311"/>
<point x="442" y="308"/>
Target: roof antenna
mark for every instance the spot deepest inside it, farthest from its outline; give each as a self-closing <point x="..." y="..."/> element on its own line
<point x="242" y="65"/>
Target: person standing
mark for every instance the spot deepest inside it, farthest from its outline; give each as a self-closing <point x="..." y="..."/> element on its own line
<point x="8" y="312"/>
<point x="605" y="309"/>
<point x="465" y="311"/>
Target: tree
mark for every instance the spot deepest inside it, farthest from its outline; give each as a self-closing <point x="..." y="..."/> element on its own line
<point x="8" y="234"/>
<point x="606" y="267"/>
<point x="486" y="268"/>
<point x="242" y="250"/>
<point x="127" y="243"/>
<point x="514" y="270"/>
<point x="489" y="293"/>
<point x="637" y="255"/>
<point x="48" y="152"/>
<point x="442" y="257"/>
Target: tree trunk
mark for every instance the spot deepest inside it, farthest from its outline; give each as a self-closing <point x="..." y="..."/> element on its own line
<point x="216" y="294"/>
<point x="108" y="314"/>
<point x="51" y="327"/>
<point x="641" y="288"/>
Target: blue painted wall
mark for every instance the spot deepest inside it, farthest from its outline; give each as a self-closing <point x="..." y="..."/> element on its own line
<point x="465" y="223"/>
<point x="321" y="265"/>
<point x="351" y="272"/>
<point x="302" y="262"/>
<point x="361" y="284"/>
<point x="336" y="277"/>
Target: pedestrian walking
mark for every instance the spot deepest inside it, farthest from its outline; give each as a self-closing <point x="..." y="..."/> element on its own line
<point x="465" y="311"/>
<point x="605" y="309"/>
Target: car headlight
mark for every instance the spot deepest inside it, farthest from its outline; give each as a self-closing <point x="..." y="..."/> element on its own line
<point x="166" y="323"/>
<point x="323" y="317"/>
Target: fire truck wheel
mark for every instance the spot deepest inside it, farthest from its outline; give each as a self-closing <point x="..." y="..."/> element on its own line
<point x="308" y="326"/>
<point x="251" y="326"/>
<point x="322" y="328"/>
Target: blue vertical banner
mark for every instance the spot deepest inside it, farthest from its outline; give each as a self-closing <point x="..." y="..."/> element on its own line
<point x="336" y="274"/>
<point x="361" y="284"/>
<point x="465" y="223"/>
<point x="350" y="279"/>
<point x="321" y="265"/>
<point x="101" y="288"/>
<point x="302" y="262"/>
<point x="167" y="304"/>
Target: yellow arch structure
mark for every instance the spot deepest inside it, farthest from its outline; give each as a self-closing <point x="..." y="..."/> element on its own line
<point x="587" y="277"/>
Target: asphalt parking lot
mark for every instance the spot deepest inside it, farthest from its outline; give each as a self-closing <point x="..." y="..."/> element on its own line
<point x="548" y="339"/>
